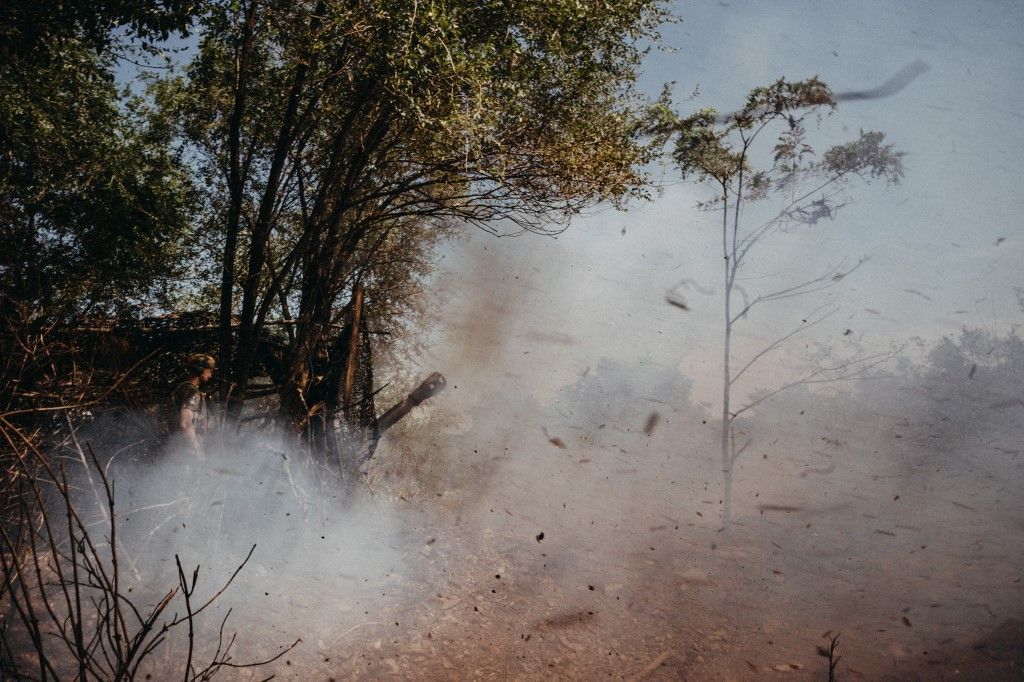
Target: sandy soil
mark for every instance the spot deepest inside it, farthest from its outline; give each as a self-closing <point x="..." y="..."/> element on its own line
<point x="910" y="550"/>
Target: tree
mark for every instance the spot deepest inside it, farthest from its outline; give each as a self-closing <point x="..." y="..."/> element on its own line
<point x="971" y="384"/>
<point x="93" y="206"/>
<point x="327" y="128"/>
<point x="720" y="151"/>
<point x="91" y="202"/>
<point x="36" y="29"/>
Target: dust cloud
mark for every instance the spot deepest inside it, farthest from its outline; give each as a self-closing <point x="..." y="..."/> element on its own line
<point x="556" y="512"/>
<point x="588" y="540"/>
<point x="322" y="553"/>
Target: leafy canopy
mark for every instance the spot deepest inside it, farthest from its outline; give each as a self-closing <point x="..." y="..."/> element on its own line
<point x="92" y="203"/>
<point x="520" y="111"/>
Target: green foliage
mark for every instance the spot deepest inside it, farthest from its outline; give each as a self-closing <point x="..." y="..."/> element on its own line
<point x="92" y="202"/>
<point x="702" y="150"/>
<point x="341" y="140"/>
<point x="394" y="280"/>
<point x="516" y="108"/>
<point x="307" y="145"/>
<point x="721" y="150"/>
<point x="37" y="27"/>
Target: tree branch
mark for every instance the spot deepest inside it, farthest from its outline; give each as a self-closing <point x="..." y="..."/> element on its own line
<point x="815" y="377"/>
<point x="775" y="344"/>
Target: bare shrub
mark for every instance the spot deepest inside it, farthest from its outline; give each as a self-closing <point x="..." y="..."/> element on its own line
<point x="65" y="610"/>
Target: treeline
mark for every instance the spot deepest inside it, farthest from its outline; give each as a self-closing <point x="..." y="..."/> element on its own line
<point x="299" y="163"/>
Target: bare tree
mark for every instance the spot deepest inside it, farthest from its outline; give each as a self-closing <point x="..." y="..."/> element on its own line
<point x="720" y="150"/>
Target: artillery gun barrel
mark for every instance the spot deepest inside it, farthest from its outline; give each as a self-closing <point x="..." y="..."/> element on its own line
<point x="433" y="385"/>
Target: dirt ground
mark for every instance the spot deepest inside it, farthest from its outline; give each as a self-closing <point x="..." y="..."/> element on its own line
<point x="609" y="562"/>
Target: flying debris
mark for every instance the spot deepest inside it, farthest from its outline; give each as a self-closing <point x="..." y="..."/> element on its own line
<point x="690" y="283"/>
<point x="554" y="440"/>
<point x="779" y="507"/>
<point x="677" y="302"/>
<point x="673" y="297"/>
<point x="918" y="293"/>
<point x="902" y="79"/>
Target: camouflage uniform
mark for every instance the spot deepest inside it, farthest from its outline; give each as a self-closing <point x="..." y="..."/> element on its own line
<point x="187" y="395"/>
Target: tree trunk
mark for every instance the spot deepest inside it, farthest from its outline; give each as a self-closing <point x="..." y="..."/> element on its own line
<point x="726" y="378"/>
<point x="248" y="326"/>
<point x="236" y="186"/>
<point x="294" y="408"/>
<point x="353" y="349"/>
<point x="336" y="389"/>
<point x="314" y="317"/>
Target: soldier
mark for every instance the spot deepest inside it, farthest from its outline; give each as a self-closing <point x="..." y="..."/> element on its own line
<point x="187" y="410"/>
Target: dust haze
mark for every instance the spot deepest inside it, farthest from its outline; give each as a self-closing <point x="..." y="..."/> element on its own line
<point x="885" y="509"/>
<point x="556" y="512"/>
<point x="523" y="527"/>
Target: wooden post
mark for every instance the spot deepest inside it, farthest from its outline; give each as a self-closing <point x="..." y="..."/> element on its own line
<point x="353" y="349"/>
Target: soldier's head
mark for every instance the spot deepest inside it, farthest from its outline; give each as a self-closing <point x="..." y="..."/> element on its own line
<point x="202" y="366"/>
